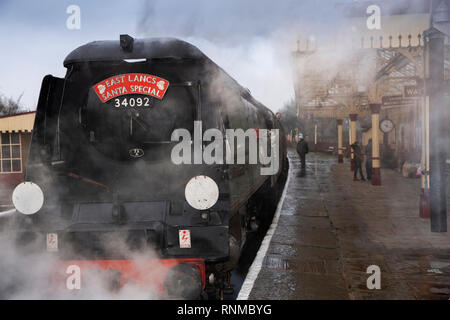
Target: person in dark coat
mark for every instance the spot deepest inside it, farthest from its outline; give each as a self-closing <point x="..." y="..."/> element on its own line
<point x="369" y="160"/>
<point x="358" y="159"/>
<point x="302" y="150"/>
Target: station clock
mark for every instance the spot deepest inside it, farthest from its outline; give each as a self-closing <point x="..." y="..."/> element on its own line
<point x="387" y="125"/>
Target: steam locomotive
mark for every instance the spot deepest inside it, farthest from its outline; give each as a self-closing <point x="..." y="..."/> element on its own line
<point x="101" y="189"/>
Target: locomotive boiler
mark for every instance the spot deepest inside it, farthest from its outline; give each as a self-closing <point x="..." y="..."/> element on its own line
<point x="102" y="190"/>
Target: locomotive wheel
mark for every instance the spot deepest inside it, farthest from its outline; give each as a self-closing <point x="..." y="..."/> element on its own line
<point x="183" y="282"/>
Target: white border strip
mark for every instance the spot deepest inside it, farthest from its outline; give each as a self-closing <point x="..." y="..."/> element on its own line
<point x="255" y="268"/>
<point x="7" y="213"/>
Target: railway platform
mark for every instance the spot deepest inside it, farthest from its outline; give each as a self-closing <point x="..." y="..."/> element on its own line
<point x="330" y="229"/>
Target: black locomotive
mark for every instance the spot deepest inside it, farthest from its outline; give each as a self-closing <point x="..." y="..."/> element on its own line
<point x="101" y="154"/>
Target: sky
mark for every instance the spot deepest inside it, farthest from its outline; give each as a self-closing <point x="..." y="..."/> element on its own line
<point x="250" y="39"/>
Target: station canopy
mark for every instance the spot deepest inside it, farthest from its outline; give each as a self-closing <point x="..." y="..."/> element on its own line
<point x="23" y="122"/>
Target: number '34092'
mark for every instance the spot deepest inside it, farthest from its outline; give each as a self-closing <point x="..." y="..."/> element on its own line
<point x="132" y="102"/>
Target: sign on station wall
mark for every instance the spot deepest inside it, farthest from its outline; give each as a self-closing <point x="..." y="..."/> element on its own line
<point x="413" y="91"/>
<point x="395" y="101"/>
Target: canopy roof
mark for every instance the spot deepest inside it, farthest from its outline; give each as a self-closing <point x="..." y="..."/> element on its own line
<point x="22" y="122"/>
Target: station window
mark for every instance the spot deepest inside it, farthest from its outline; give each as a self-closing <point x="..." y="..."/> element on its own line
<point x="10" y="153"/>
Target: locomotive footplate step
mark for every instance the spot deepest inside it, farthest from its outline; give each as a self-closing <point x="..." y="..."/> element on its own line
<point x="334" y="237"/>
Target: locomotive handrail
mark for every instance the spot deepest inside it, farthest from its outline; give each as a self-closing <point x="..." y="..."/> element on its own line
<point x="7" y="213"/>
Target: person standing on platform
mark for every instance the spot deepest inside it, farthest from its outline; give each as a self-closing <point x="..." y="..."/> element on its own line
<point x="302" y="150"/>
<point x="358" y="159"/>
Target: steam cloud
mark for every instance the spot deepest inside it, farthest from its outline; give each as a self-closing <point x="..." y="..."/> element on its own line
<point x="252" y="40"/>
<point x="28" y="273"/>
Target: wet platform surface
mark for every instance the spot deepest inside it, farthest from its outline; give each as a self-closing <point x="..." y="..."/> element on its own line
<point x="331" y="229"/>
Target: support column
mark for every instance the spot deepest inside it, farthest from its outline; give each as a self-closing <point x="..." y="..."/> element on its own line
<point x="376" y="164"/>
<point x="350" y="141"/>
<point x="340" y="142"/>
<point x="427" y="149"/>
<point x="315" y="138"/>
<point x="424" y="193"/>
<point x="353" y="118"/>
<point x="438" y="186"/>
<point x="425" y="104"/>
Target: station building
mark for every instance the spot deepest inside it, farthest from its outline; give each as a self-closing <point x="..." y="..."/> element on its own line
<point x="15" y="131"/>
<point x="389" y="58"/>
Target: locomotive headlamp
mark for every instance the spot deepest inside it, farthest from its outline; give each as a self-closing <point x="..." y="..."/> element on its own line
<point x="201" y="192"/>
<point x="28" y="198"/>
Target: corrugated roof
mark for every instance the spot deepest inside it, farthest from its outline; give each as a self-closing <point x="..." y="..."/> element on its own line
<point x="23" y="122"/>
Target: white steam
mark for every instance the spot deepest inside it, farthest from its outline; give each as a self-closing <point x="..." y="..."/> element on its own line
<point x="30" y="273"/>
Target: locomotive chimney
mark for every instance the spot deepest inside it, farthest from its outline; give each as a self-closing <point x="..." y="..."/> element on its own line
<point x="126" y="42"/>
